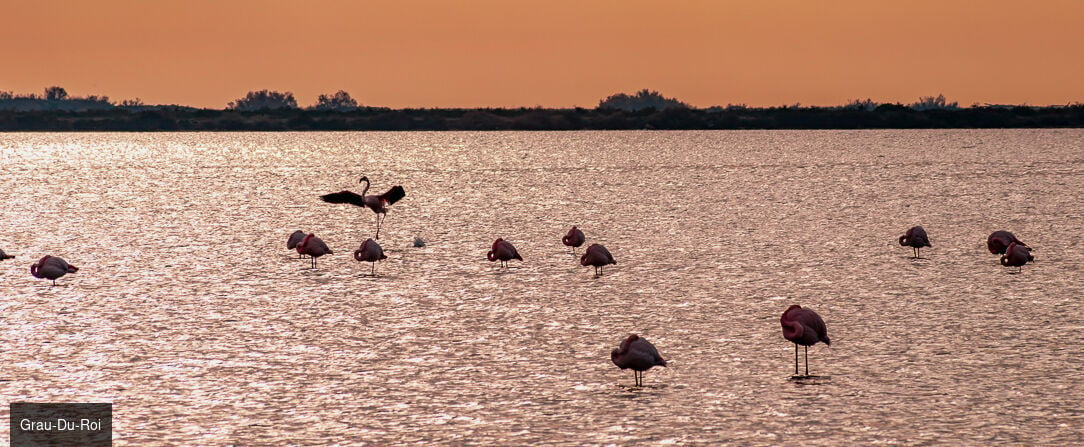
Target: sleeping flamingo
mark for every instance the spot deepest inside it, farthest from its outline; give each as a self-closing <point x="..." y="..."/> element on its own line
<point x="916" y="238"/>
<point x="52" y="267"/>
<point x="314" y="247"/>
<point x="370" y="251"/>
<point x="598" y="256"/>
<point x="294" y="239"/>
<point x="999" y="241"/>
<point x="573" y="239"/>
<point x="803" y="327"/>
<point x="503" y="251"/>
<point x="1016" y="255"/>
<point x="378" y="203"/>
<point x="639" y="354"/>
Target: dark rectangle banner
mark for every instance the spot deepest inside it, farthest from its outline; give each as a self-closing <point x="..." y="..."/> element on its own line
<point x="61" y="424"/>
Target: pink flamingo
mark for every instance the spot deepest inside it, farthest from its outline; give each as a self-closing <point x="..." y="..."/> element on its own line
<point x="803" y="327"/>
<point x="4" y="256"/>
<point x="370" y="251"/>
<point x="504" y="251"/>
<point x="378" y="203"/>
<point x="573" y="239"/>
<point x="314" y="247"/>
<point x="294" y="239"/>
<point x="598" y="256"/>
<point x="639" y="354"/>
<point x="1016" y="255"/>
<point x="52" y="267"/>
<point x="916" y="238"/>
<point x="999" y="241"/>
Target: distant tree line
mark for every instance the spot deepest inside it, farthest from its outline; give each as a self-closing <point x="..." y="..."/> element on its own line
<point x="884" y="116"/>
<point x="54" y="98"/>
<point x="267" y="110"/>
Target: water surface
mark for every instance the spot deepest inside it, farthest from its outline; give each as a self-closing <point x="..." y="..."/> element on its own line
<point x="190" y="315"/>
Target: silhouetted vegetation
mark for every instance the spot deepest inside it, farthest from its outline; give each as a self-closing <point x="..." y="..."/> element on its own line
<point x="932" y="103"/>
<point x="54" y="98"/>
<point x="340" y="101"/>
<point x="263" y="100"/>
<point x="265" y="110"/>
<point x="642" y="100"/>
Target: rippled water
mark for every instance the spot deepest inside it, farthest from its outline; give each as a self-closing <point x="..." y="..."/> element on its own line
<point x="190" y="315"/>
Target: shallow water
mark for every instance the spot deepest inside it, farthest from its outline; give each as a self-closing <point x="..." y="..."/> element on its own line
<point x="190" y="315"/>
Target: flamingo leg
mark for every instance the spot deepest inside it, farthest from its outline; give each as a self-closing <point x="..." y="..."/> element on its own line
<point x="807" y="360"/>
<point x="796" y="359"/>
<point x="373" y="272"/>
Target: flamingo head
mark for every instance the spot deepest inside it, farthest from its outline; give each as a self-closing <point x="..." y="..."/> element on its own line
<point x="903" y="240"/>
<point x="35" y="266"/>
<point x="363" y="179"/>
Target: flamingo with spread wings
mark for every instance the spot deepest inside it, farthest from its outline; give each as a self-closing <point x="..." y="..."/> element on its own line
<point x="378" y="203"/>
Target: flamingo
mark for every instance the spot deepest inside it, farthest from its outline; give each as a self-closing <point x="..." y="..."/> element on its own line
<point x="370" y="251"/>
<point x="999" y="241"/>
<point x="1016" y="255"/>
<point x="294" y="239"/>
<point x="573" y="239"/>
<point x="916" y="238"/>
<point x="51" y="267"/>
<point x="598" y="256"/>
<point x="379" y="204"/>
<point x="639" y="354"/>
<point x="314" y="247"/>
<point x="504" y="251"/>
<point x="4" y="256"/>
<point x="803" y="327"/>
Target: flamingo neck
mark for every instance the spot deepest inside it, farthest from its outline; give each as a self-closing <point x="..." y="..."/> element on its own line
<point x="792" y="330"/>
<point x="363" y="191"/>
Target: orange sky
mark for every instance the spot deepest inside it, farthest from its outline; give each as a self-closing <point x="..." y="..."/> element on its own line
<point x="510" y="53"/>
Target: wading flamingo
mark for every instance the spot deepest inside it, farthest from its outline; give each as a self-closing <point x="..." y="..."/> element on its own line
<point x="916" y="238"/>
<point x="803" y="327"/>
<point x="503" y="251"/>
<point x="573" y="239"/>
<point x="598" y="256"/>
<point x="999" y="241"/>
<point x="639" y="354"/>
<point x="378" y="203"/>
<point x="370" y="251"/>
<point x="294" y="239"/>
<point x="314" y="247"/>
<point x="1016" y="255"/>
<point x="52" y="267"/>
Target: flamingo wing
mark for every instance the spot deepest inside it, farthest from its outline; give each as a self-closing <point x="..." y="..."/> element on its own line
<point x="344" y="197"/>
<point x="393" y="195"/>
